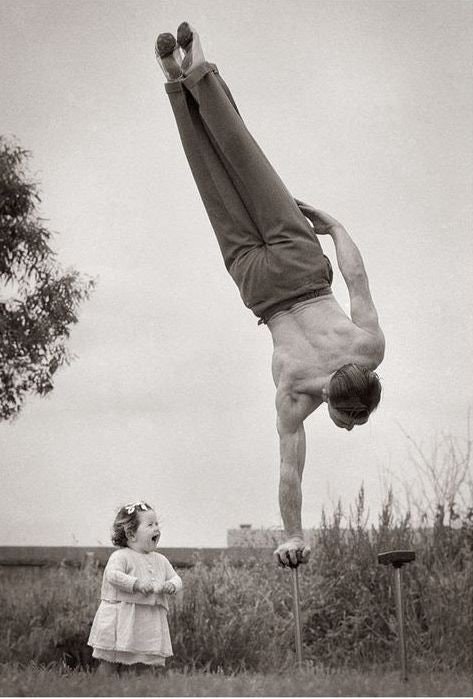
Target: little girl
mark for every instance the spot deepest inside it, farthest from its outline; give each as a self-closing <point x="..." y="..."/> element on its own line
<point x="130" y="625"/>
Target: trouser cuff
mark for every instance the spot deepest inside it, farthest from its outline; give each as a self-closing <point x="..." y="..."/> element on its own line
<point x="192" y="79"/>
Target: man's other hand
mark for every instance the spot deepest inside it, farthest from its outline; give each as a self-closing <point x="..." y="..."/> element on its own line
<point x="323" y="223"/>
<point x="292" y="553"/>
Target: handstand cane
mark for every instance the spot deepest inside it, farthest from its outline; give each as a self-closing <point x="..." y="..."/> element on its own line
<point x="297" y="613"/>
<point x="397" y="560"/>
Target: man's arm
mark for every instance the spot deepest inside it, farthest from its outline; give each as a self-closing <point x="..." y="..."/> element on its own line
<point x="292" y="445"/>
<point x="292" y="454"/>
<point x="362" y="309"/>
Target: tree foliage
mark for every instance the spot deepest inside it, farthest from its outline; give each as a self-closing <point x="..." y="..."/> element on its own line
<point x="39" y="301"/>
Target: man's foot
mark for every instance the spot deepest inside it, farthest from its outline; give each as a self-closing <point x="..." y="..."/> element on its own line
<point x="189" y="41"/>
<point x="292" y="553"/>
<point x="169" y="56"/>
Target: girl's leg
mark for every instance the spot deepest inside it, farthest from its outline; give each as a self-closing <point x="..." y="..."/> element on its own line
<point x="106" y="669"/>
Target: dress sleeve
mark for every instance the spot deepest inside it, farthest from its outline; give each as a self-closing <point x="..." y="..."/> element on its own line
<point x="115" y="573"/>
<point x="171" y="575"/>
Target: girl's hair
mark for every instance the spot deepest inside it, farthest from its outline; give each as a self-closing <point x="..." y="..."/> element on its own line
<point x="126" y="522"/>
<point x="355" y="389"/>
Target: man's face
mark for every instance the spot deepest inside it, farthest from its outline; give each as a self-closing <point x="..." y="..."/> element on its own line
<point x="344" y="419"/>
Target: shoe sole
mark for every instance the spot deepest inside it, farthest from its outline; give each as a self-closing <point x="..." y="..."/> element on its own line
<point x="165" y="45"/>
<point x="184" y="35"/>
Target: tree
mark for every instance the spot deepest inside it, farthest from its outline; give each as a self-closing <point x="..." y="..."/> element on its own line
<point x="39" y="301"/>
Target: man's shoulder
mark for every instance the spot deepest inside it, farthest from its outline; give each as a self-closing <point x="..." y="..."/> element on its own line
<point x="371" y="346"/>
<point x="293" y="403"/>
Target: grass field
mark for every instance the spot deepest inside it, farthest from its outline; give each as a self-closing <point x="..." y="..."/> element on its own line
<point x="232" y="628"/>
<point x="34" y="681"/>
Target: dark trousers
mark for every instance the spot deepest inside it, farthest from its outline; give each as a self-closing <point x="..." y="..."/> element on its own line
<point x="268" y="246"/>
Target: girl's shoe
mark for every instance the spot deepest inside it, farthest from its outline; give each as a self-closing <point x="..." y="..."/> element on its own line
<point x="189" y="41"/>
<point x="169" y="56"/>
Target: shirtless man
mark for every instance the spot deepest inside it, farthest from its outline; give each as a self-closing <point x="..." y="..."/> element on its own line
<point x="273" y="254"/>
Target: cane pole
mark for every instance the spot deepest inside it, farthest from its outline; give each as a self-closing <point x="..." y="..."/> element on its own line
<point x="400" y="620"/>
<point x="297" y="613"/>
<point x="397" y="559"/>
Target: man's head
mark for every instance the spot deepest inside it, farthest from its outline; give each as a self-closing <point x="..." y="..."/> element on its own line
<point x="353" y="393"/>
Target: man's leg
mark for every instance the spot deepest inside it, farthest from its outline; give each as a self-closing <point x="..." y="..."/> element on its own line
<point x="235" y="231"/>
<point x="268" y="246"/>
<point x="269" y="203"/>
<point x="292" y="261"/>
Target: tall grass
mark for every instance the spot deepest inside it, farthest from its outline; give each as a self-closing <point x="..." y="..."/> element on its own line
<point x="240" y="618"/>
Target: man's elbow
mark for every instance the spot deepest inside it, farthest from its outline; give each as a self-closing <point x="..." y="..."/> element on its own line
<point x="357" y="280"/>
<point x="287" y="429"/>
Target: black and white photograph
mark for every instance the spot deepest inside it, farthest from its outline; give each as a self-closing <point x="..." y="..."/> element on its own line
<point x="236" y="340"/>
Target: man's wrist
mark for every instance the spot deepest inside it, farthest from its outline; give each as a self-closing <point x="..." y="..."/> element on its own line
<point x="336" y="230"/>
<point x="295" y="536"/>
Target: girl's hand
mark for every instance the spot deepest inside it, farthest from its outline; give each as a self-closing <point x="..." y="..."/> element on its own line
<point x="168" y="588"/>
<point x="323" y="223"/>
<point x="143" y="586"/>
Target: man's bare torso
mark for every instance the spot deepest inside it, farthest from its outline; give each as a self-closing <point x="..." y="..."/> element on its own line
<point x="311" y="341"/>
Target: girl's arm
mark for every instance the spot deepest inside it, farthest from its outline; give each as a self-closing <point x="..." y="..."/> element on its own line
<point x="173" y="582"/>
<point x="115" y="573"/>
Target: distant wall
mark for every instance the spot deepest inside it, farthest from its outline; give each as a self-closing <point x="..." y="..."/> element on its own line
<point x="81" y="555"/>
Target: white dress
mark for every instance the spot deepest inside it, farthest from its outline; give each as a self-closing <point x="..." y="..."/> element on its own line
<point x="135" y="631"/>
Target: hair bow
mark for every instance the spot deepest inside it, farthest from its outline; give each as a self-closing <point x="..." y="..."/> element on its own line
<point x="131" y="508"/>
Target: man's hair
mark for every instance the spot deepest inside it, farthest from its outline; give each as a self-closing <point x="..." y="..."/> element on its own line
<point x="355" y="390"/>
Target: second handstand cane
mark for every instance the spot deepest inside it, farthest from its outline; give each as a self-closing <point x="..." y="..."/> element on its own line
<point x="297" y="614"/>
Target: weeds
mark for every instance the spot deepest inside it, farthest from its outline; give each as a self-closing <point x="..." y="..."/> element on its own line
<point x="239" y="618"/>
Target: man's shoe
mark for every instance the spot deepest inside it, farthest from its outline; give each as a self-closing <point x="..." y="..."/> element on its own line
<point x="169" y="56"/>
<point x="189" y="41"/>
<point x="184" y="35"/>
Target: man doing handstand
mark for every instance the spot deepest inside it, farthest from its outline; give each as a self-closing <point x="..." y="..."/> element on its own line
<point x="272" y="253"/>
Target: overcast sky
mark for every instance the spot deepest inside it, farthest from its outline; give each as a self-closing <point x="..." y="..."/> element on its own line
<point x="365" y="110"/>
